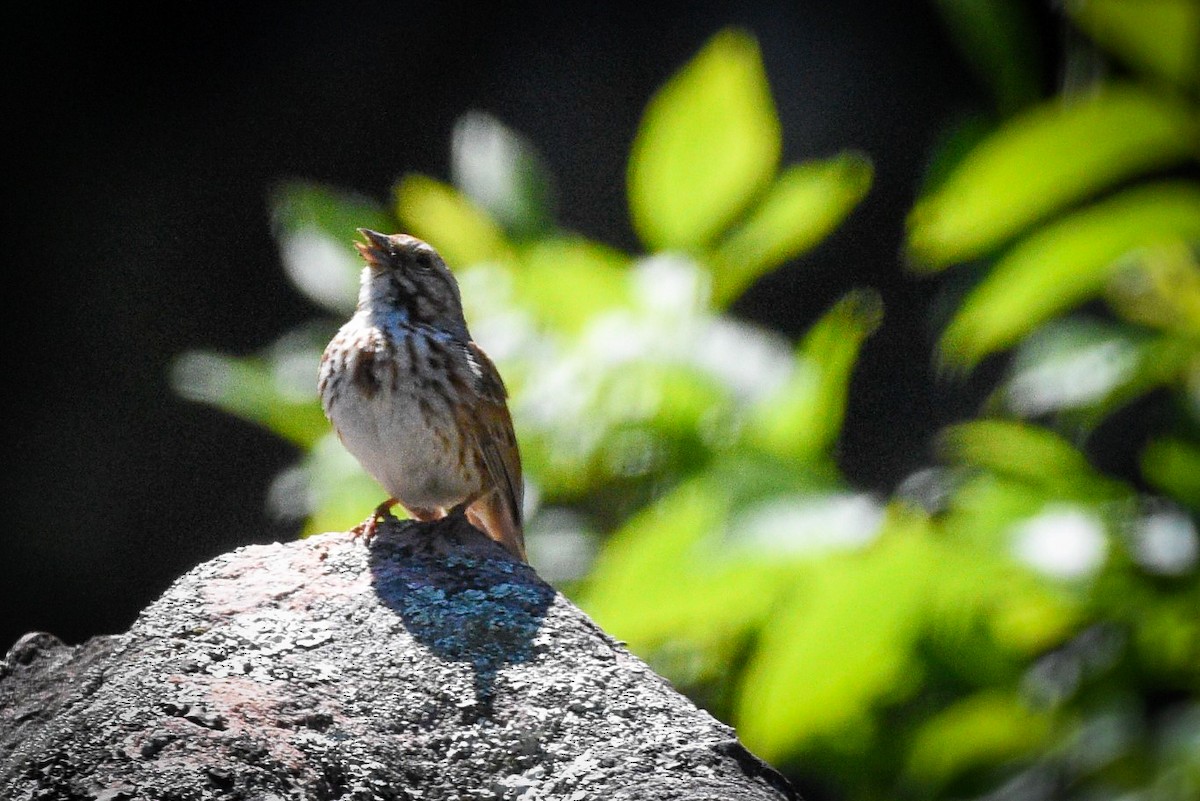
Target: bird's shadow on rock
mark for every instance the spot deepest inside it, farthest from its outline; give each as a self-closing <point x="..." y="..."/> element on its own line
<point x="461" y="595"/>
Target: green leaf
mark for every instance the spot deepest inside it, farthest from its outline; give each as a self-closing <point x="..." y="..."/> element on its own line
<point x="982" y="730"/>
<point x="1065" y="264"/>
<point x="805" y="203"/>
<point x="1173" y="465"/>
<point x="1084" y="373"/>
<point x="984" y="506"/>
<point x="803" y="419"/>
<point x="568" y="281"/>
<point x="997" y="38"/>
<point x="503" y="173"/>
<point x="676" y="398"/>
<point x="1162" y="362"/>
<point x="843" y="641"/>
<point x="978" y="581"/>
<point x="315" y="226"/>
<point x="298" y="205"/>
<point x="643" y="563"/>
<point x="254" y="390"/>
<point x="708" y="142"/>
<point x="1028" y="453"/>
<point x="1072" y="363"/>
<point x="957" y="138"/>
<point x="1043" y="160"/>
<point x="1015" y="449"/>
<point x="436" y="212"/>
<point x="1161" y="38"/>
<point x="670" y="574"/>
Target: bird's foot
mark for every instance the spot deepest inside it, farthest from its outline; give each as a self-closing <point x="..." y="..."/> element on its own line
<point x="368" y="528"/>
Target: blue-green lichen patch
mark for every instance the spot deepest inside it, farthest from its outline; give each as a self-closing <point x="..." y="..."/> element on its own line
<point x="460" y="596"/>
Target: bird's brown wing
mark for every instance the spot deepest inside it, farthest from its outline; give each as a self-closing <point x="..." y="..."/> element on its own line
<point x="497" y="512"/>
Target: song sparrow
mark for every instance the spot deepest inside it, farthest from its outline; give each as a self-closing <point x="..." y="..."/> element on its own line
<point x="416" y="401"/>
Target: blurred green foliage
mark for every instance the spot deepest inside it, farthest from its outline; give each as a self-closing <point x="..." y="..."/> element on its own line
<point x="1013" y="621"/>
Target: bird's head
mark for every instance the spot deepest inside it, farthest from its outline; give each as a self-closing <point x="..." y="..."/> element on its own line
<point x="405" y="276"/>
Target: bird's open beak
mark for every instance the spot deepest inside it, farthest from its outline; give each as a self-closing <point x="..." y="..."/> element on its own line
<point x="376" y="250"/>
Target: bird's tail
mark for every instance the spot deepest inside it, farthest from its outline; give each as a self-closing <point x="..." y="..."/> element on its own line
<point x="491" y="515"/>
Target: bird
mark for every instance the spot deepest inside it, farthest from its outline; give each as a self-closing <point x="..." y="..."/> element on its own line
<point x="417" y="402"/>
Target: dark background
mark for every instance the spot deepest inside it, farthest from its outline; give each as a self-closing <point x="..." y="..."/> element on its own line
<point x="141" y="151"/>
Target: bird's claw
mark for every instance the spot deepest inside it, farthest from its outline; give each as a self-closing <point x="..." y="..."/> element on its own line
<point x="368" y="528"/>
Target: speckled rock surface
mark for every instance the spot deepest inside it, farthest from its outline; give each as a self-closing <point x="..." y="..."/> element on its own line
<point x="427" y="666"/>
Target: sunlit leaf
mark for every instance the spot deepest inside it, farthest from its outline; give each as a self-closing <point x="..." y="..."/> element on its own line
<point x="1049" y="157"/>
<point x="978" y="575"/>
<point x="717" y="604"/>
<point x="805" y="203"/>
<point x="843" y="640"/>
<point x="315" y="226"/>
<point x="679" y="395"/>
<point x="1025" y="452"/>
<point x="954" y="142"/>
<point x="1161" y="38"/>
<point x="978" y="581"/>
<point x="804" y="418"/>
<point x="998" y="39"/>
<point x="1066" y="263"/>
<point x="669" y="575"/>
<point x="708" y="142"/>
<point x="563" y="473"/>
<point x="1121" y="371"/>
<point x="1064" y="541"/>
<point x="641" y="565"/>
<point x="985" y="505"/>
<point x="1029" y="620"/>
<point x="502" y="172"/>
<point x="646" y="418"/>
<point x="1069" y="364"/>
<point x="568" y="281"/>
<point x="807" y="523"/>
<point x="436" y="212"/>
<point x="302" y="204"/>
<point x="1173" y="465"/>
<point x="1013" y="448"/>
<point x="981" y="730"/>
<point x="250" y="389"/>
